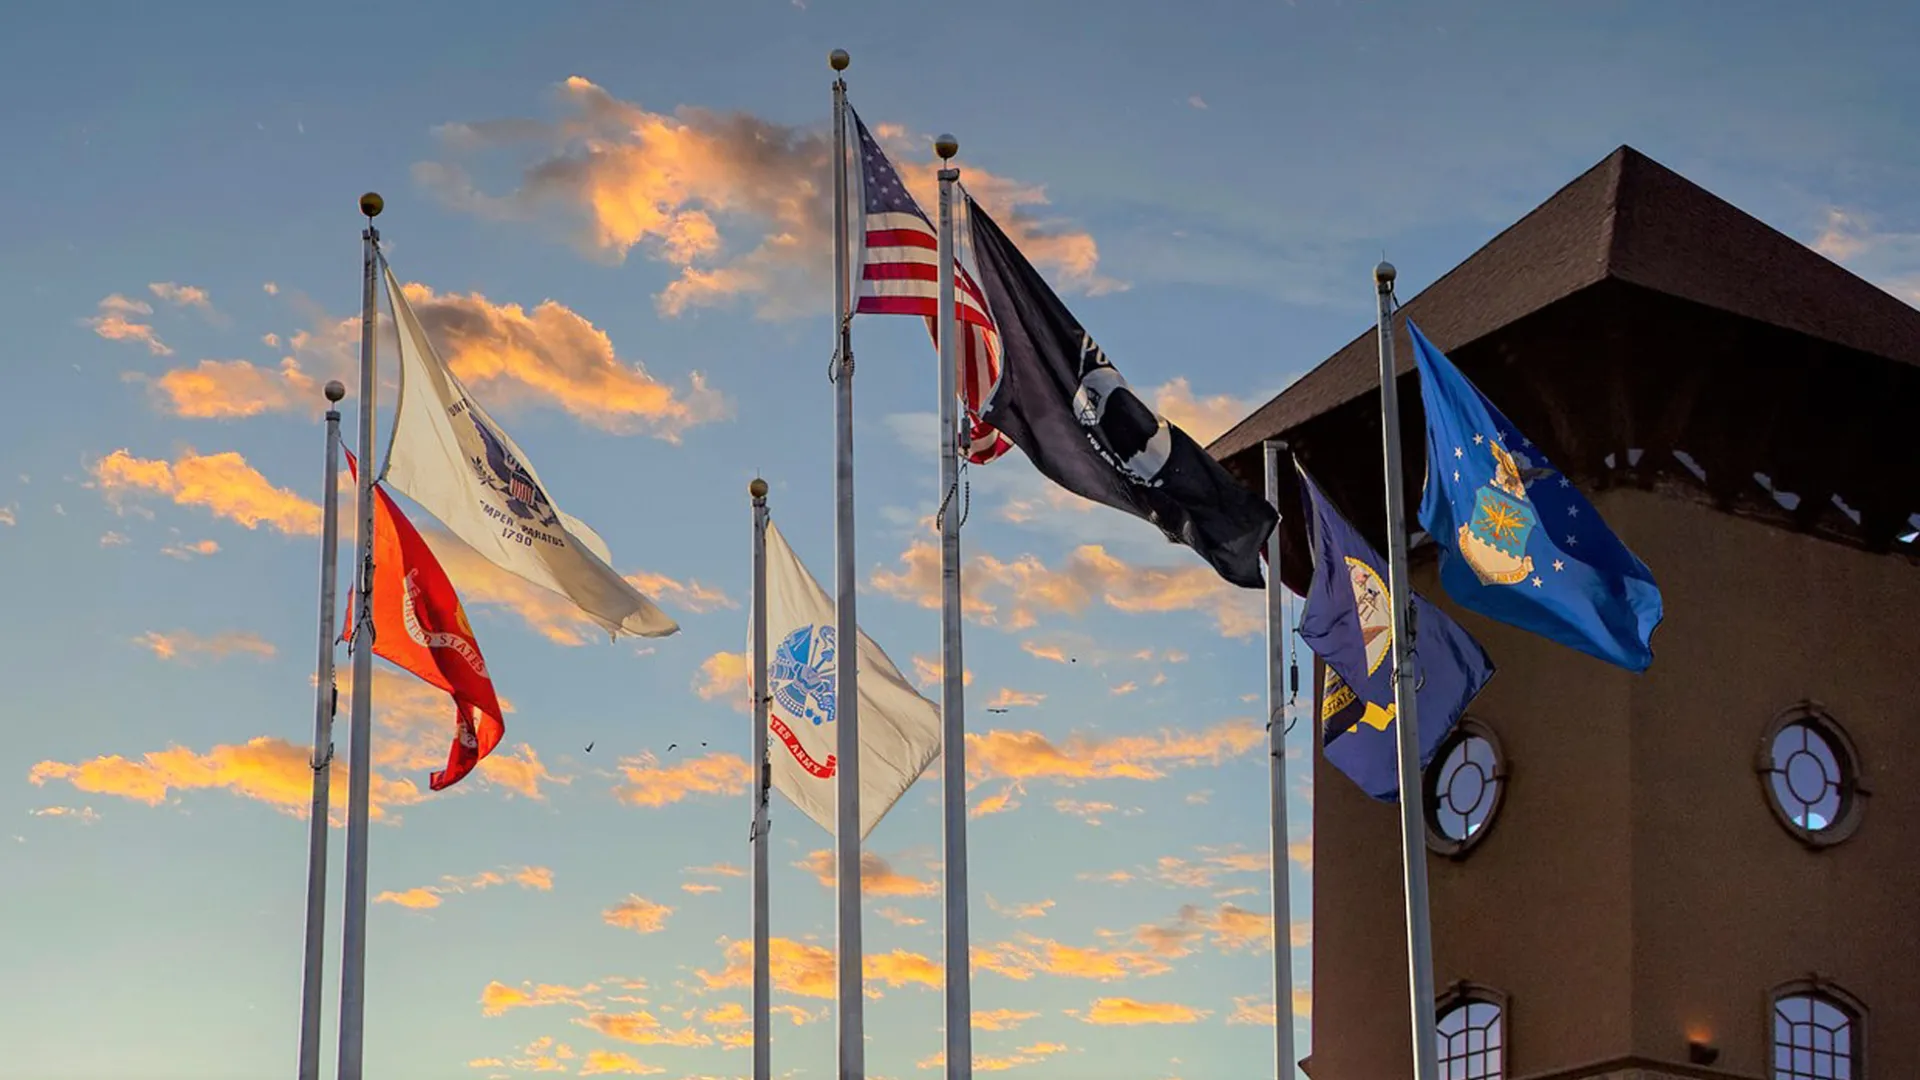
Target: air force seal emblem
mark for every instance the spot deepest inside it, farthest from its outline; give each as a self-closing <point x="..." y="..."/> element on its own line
<point x="1494" y="542"/>
<point x="502" y="472"/>
<point x="801" y="676"/>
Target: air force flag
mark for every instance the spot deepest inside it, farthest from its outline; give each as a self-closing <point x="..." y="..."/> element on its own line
<point x="1071" y="413"/>
<point x="1348" y="623"/>
<point x="1518" y="542"/>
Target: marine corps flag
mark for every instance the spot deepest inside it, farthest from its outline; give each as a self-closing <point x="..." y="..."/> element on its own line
<point x="421" y="627"/>
<point x="1064" y="404"/>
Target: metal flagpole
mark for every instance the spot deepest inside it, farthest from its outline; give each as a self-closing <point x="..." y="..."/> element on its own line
<point x="846" y="681"/>
<point x="353" y="938"/>
<point x="953" y="713"/>
<point x="1413" y="846"/>
<point x="762" y="977"/>
<point x="322" y="759"/>
<point x="1277" y="785"/>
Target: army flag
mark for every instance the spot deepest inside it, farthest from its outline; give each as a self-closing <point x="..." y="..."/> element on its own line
<point x="423" y="629"/>
<point x="899" y="729"/>
<point x="449" y="456"/>
<point x="1069" y="410"/>
<point x="1518" y="542"/>
<point x="1348" y="623"/>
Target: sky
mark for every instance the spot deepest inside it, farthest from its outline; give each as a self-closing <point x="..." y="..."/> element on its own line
<point x="614" y="219"/>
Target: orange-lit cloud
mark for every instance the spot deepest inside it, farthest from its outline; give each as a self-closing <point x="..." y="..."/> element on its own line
<point x="186" y="550"/>
<point x="1044" y="651"/>
<point x="1203" y="418"/>
<point x="733" y="201"/>
<point x="638" y="914"/>
<point x="649" y="783"/>
<point x="1257" y="1010"/>
<point x="877" y="876"/>
<point x="230" y="389"/>
<point x="224" y="484"/>
<point x="927" y="671"/>
<point x="809" y="970"/>
<point x="497" y="997"/>
<point x="182" y="295"/>
<point x="898" y="917"/>
<point x="430" y="896"/>
<point x="698" y="888"/>
<point x="1120" y="1010"/>
<point x="1034" y="910"/>
<point x="1089" y="811"/>
<point x="553" y="356"/>
<point x="718" y="870"/>
<point x="1022" y="960"/>
<point x="726" y="675"/>
<point x="1013" y="595"/>
<point x="1028" y="755"/>
<point x="1025" y="1055"/>
<point x="643" y="1029"/>
<point x="418" y="898"/>
<point x="1007" y="798"/>
<point x="1009" y="698"/>
<point x="610" y="1063"/>
<point x="268" y="769"/>
<point x="1205" y="871"/>
<point x="183" y="646"/>
<point x="83" y="814"/>
<point x="1000" y="1019"/>
<point x="1230" y="928"/>
<point x="116" y="322"/>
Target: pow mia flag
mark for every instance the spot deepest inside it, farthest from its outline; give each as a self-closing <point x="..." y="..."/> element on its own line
<point x="1062" y="402"/>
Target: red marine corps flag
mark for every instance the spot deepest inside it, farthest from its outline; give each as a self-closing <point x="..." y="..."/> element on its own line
<point x="422" y="627"/>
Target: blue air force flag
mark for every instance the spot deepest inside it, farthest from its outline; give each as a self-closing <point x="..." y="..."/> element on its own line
<point x="1348" y="623"/>
<point x="1518" y="542"/>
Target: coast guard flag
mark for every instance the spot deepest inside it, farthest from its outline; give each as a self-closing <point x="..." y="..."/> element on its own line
<point x="1518" y="542"/>
<point x="899" y="729"/>
<point x="1069" y="410"/>
<point x="423" y="629"/>
<point x="1348" y="623"/>
<point x="450" y="457"/>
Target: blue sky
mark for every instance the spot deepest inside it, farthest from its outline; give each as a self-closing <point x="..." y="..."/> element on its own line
<point x="632" y="276"/>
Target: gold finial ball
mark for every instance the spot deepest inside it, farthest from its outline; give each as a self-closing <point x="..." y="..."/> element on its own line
<point x="838" y="59"/>
<point x="757" y="489"/>
<point x="1384" y="273"/>
<point x="371" y="204"/>
<point x="336" y="390"/>
<point x="946" y="146"/>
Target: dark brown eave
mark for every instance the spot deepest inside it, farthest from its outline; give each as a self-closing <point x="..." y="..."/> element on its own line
<point x="1645" y="332"/>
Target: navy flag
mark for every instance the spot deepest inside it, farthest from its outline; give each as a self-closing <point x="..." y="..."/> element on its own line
<point x="1069" y="410"/>
<point x="1518" y="542"/>
<point x="1348" y="623"/>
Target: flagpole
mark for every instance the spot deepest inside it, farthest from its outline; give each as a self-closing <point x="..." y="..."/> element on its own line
<point x="1413" y="846"/>
<point x="322" y="757"/>
<point x="953" y="713"/>
<point x="353" y="938"/>
<point x="763" y="773"/>
<point x="1277" y="785"/>
<point x="846" y="676"/>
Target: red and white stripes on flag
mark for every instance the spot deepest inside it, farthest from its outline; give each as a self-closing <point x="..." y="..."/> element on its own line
<point x="897" y="272"/>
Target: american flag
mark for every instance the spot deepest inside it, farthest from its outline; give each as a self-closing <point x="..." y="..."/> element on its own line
<point x="899" y="274"/>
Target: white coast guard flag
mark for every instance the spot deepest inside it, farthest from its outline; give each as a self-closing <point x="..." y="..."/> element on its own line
<point x="899" y="729"/>
<point x="450" y="457"/>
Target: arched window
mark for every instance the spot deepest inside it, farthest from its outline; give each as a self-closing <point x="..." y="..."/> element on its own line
<point x="1818" y="1033"/>
<point x="1811" y="774"/>
<point x="1464" y="785"/>
<point x="1470" y="1034"/>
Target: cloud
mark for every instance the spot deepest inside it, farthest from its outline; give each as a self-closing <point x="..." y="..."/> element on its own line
<point x="1124" y="688"/>
<point x="267" y="769"/>
<point x="734" y="202"/>
<point x="183" y="646"/>
<point x="114" y="324"/>
<point x="1055" y="653"/>
<point x="898" y="917"/>
<point x="1023" y="959"/>
<point x="416" y="898"/>
<point x="1119" y="1010"/>
<point x="726" y="675"/>
<point x="224" y="484"/>
<point x="1090" y="811"/>
<point x="999" y="802"/>
<point x="809" y="970"/>
<point x="497" y="997"/>
<point x="1012" y="595"/>
<point x="1009" y="698"/>
<point x="648" y="783"/>
<point x="1025" y="1055"/>
<point x="718" y="870"/>
<point x="1202" y="874"/>
<point x="1888" y="257"/>
<point x="1253" y="1009"/>
<point x="83" y="814"/>
<point x="182" y="295"/>
<point x="1000" y="1019"/>
<point x="1035" y="910"/>
<point x="1230" y="929"/>
<point x="233" y="389"/>
<point x="520" y="771"/>
<point x="638" y="914"/>
<point x="608" y="1063"/>
<point x="107" y="539"/>
<point x="270" y="288"/>
<point x="1203" y="418"/>
<point x="642" y="1028"/>
<point x="553" y="356"/>
<point x="1029" y="755"/>
<point x="429" y="896"/>
<point x="928" y="671"/>
<point x="185" y="550"/>
<point x="877" y="876"/>
<point x="698" y="888"/>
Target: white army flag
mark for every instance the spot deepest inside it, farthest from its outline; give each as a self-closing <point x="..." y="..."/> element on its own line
<point x="450" y="457"/>
<point x="899" y="729"/>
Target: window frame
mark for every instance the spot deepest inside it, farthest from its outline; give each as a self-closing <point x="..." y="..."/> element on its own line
<point x="1820" y="988"/>
<point x="1463" y="993"/>
<point x="1440" y="843"/>
<point x="1852" y="786"/>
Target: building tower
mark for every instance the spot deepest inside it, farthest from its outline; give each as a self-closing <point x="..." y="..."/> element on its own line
<point x="1711" y="869"/>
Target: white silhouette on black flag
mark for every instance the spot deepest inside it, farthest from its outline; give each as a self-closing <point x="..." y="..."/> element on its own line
<point x="1065" y="405"/>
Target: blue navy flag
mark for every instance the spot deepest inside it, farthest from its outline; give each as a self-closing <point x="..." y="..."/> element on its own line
<point x="1069" y="410"/>
<point x="1518" y="542"/>
<point x="1348" y="623"/>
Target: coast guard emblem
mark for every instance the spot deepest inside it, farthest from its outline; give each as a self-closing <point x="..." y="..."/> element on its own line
<point x="1494" y="542"/>
<point x="502" y="472"/>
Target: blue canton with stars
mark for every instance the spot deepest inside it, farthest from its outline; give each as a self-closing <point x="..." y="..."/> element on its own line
<point x="885" y="194"/>
<point x="1518" y="542"/>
